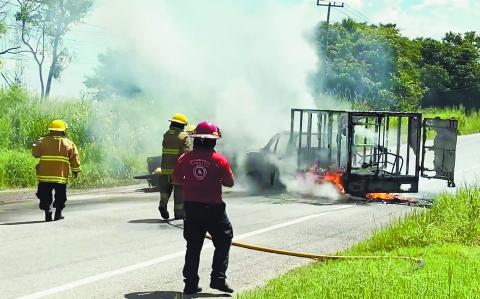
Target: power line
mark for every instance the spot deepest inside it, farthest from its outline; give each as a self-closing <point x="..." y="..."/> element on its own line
<point x="330" y="4"/>
<point x="357" y="16"/>
<point x="345" y="14"/>
<point x="350" y="14"/>
<point x="359" y="13"/>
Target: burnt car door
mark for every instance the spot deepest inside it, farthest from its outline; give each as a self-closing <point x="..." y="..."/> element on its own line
<point x="439" y="144"/>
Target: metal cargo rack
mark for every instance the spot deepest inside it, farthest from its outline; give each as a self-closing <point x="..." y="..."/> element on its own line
<point x="377" y="151"/>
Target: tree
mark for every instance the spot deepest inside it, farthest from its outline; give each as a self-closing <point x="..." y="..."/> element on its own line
<point x="451" y="70"/>
<point x="114" y="76"/>
<point x="369" y="64"/>
<point x="43" y="26"/>
<point x="11" y="78"/>
<point x="3" y="29"/>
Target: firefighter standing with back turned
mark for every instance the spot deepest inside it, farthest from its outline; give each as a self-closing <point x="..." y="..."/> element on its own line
<point x="175" y="142"/>
<point x="58" y="155"/>
<point x="202" y="172"/>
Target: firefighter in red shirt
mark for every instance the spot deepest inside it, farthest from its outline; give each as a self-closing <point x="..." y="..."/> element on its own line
<point x="202" y="172"/>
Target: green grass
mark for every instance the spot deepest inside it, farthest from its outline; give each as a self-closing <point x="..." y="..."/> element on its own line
<point x="113" y="137"/>
<point x="447" y="237"/>
<point x="468" y="121"/>
<point x="17" y="169"/>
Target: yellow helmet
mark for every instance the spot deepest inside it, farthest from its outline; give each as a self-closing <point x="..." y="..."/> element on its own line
<point x="179" y="118"/>
<point x="58" y="125"/>
<point x="190" y="128"/>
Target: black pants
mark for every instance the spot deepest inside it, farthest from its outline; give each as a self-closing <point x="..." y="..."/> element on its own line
<point x="44" y="193"/>
<point x="199" y="219"/>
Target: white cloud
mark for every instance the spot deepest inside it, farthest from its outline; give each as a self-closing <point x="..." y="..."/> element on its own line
<point x="357" y="4"/>
<point x="431" y="18"/>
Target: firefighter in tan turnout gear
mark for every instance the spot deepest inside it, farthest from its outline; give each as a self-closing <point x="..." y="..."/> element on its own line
<point x="175" y="143"/>
<point x="58" y="155"/>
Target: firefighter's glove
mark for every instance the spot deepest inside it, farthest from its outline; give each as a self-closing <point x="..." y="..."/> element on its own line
<point x="157" y="171"/>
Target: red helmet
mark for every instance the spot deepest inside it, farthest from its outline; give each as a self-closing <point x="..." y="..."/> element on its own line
<point x="207" y="130"/>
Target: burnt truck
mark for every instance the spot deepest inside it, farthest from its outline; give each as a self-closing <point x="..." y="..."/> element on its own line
<point x="374" y="152"/>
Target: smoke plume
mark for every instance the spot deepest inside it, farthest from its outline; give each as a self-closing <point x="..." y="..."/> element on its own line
<point x="241" y="64"/>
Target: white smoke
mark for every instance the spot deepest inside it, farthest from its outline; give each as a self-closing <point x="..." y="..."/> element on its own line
<point x="306" y="185"/>
<point x="241" y="64"/>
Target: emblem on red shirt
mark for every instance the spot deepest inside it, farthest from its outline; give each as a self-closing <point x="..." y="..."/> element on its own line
<point x="199" y="172"/>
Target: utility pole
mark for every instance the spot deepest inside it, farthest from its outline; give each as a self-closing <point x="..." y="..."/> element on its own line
<point x="329" y="4"/>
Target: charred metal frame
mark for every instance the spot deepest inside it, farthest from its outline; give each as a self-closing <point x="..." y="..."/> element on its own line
<point x="401" y="178"/>
<point x="384" y="165"/>
<point x="446" y="150"/>
<point x="327" y="122"/>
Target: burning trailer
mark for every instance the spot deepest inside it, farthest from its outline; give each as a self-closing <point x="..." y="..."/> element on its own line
<point x="365" y="154"/>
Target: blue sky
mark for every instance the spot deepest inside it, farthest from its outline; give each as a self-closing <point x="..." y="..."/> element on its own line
<point x="429" y="18"/>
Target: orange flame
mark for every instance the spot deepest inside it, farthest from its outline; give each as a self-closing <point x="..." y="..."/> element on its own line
<point x="382" y="196"/>
<point x="334" y="177"/>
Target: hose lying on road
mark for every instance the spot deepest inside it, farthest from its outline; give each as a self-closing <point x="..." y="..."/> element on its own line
<point x="319" y="257"/>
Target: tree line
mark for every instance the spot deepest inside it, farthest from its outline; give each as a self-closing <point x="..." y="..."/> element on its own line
<point x="374" y="66"/>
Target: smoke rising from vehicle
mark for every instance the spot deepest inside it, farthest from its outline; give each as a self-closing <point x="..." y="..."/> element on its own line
<point x="241" y="64"/>
<point x="306" y="185"/>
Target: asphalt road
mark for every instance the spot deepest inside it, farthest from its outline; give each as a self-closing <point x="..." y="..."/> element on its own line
<point x="113" y="245"/>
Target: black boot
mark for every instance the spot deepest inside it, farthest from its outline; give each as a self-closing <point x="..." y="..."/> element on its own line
<point x="58" y="215"/>
<point x="48" y="216"/>
<point x="164" y="213"/>
<point x="191" y="289"/>
<point x="221" y="285"/>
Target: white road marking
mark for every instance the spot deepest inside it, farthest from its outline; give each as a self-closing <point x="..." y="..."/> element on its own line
<point x="91" y="279"/>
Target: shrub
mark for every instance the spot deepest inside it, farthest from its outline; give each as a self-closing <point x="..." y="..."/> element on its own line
<point x="17" y="169"/>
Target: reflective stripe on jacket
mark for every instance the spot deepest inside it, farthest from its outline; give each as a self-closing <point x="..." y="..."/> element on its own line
<point x="57" y="156"/>
<point x="175" y="143"/>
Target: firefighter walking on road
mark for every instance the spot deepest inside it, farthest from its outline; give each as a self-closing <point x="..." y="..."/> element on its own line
<point x="175" y="143"/>
<point x="58" y="155"/>
<point x="202" y="172"/>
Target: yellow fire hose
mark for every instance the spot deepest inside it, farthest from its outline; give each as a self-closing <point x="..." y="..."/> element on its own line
<point x="318" y="257"/>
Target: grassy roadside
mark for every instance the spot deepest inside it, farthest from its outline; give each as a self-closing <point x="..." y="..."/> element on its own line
<point x="468" y="121"/>
<point x="113" y="144"/>
<point x="17" y="170"/>
<point x="114" y="137"/>
<point x="447" y="237"/>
